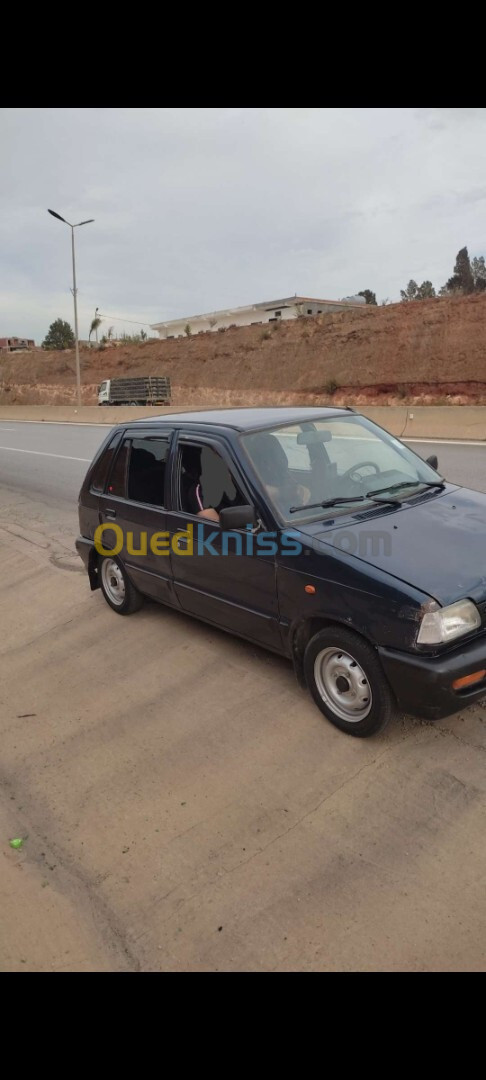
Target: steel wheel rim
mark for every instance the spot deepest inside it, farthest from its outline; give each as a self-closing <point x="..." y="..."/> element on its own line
<point x="342" y="684"/>
<point x="113" y="581"/>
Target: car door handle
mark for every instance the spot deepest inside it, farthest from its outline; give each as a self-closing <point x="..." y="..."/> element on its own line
<point x="110" y="513"/>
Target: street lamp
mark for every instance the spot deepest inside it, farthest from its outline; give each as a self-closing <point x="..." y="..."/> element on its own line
<point x="74" y="291"/>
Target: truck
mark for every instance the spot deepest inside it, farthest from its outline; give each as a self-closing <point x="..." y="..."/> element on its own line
<point x="140" y="390"/>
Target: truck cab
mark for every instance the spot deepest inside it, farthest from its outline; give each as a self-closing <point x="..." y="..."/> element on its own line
<point x="104" y="392"/>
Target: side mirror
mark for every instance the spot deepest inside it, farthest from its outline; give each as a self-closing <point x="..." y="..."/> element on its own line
<point x="433" y="462"/>
<point x="237" y="517"/>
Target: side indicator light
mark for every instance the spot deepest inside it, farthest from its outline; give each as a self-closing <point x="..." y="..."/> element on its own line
<point x="310" y="589"/>
<point x="468" y="680"/>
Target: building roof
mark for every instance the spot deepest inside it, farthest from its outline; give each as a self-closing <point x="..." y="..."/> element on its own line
<point x="242" y="419"/>
<point x="265" y="305"/>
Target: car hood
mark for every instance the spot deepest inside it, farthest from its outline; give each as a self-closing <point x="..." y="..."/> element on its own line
<point x="436" y="543"/>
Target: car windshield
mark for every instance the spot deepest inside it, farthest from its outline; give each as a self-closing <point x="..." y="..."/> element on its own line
<point x="332" y="460"/>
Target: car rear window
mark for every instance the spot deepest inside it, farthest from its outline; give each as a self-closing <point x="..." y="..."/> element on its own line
<point x="102" y="467"/>
<point x="146" y="472"/>
<point x="117" y="479"/>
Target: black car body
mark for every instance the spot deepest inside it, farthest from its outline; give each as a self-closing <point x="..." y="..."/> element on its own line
<point x="379" y="568"/>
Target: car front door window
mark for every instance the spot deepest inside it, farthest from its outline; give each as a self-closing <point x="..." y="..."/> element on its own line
<point x="227" y="584"/>
<point x="205" y="484"/>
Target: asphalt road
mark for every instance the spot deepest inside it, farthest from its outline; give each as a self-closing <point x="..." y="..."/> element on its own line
<point x="47" y="460"/>
<point x="50" y="460"/>
<point x="183" y="805"/>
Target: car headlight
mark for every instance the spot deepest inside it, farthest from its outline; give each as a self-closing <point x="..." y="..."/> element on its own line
<point x="448" y="623"/>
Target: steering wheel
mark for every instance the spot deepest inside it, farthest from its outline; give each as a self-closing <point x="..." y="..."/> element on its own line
<point x="350" y="473"/>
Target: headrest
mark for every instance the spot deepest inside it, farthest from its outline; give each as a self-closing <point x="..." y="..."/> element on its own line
<point x="269" y="457"/>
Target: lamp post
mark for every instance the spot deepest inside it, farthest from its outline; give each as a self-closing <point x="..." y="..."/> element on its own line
<point x="74" y="291"/>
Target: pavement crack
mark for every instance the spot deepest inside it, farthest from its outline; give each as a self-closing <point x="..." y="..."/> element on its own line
<point x="313" y="810"/>
<point x="25" y="644"/>
<point x="72" y="880"/>
<point x="322" y="802"/>
<point x="444" y="732"/>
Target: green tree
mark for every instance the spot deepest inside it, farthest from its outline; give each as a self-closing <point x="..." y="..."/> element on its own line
<point x="478" y="269"/>
<point x="94" y="326"/>
<point x="188" y="330"/>
<point x="410" y="293"/>
<point x="462" y="280"/>
<point x="369" y="296"/>
<point x="417" y="292"/>
<point x="425" y="291"/>
<point x="59" y="336"/>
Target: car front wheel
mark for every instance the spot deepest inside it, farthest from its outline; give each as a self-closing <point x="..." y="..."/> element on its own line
<point x="347" y="683"/>
<point x="117" y="588"/>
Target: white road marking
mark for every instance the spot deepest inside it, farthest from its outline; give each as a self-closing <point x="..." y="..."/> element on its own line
<point x="43" y="453"/>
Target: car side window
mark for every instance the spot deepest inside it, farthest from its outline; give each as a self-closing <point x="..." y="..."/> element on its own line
<point x="146" y="470"/>
<point x="117" y="479"/>
<point x="103" y="466"/>
<point x="204" y="480"/>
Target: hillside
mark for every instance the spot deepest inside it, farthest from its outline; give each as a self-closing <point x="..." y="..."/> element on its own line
<point x="427" y="352"/>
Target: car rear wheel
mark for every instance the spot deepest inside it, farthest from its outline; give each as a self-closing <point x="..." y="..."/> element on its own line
<point x="117" y="588"/>
<point x="347" y="683"/>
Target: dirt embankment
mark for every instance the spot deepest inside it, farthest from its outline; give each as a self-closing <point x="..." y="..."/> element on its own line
<point x="433" y="352"/>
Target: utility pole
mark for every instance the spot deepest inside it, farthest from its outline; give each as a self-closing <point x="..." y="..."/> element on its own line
<point x="75" y="297"/>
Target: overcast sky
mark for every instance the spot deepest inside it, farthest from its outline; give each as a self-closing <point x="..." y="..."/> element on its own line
<point x="200" y="209"/>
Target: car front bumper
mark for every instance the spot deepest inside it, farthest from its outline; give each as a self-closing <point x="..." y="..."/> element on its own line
<point x="423" y="684"/>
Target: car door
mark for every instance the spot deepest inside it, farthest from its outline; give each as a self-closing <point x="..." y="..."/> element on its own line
<point x="133" y="503"/>
<point x="227" y="581"/>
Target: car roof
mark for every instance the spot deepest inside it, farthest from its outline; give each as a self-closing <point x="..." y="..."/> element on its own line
<point x="243" y="419"/>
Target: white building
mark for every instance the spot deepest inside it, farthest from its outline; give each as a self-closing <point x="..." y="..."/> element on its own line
<point x="291" y="307"/>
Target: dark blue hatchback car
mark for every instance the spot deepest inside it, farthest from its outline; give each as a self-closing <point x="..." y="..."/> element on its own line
<point x="312" y="532"/>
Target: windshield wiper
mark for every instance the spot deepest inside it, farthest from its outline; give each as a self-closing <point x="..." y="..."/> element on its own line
<point x="342" y="500"/>
<point x="409" y="483"/>
<point x="370" y="496"/>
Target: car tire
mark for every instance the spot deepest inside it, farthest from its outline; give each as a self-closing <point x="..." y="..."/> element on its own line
<point x="117" y="589"/>
<point x="346" y="680"/>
